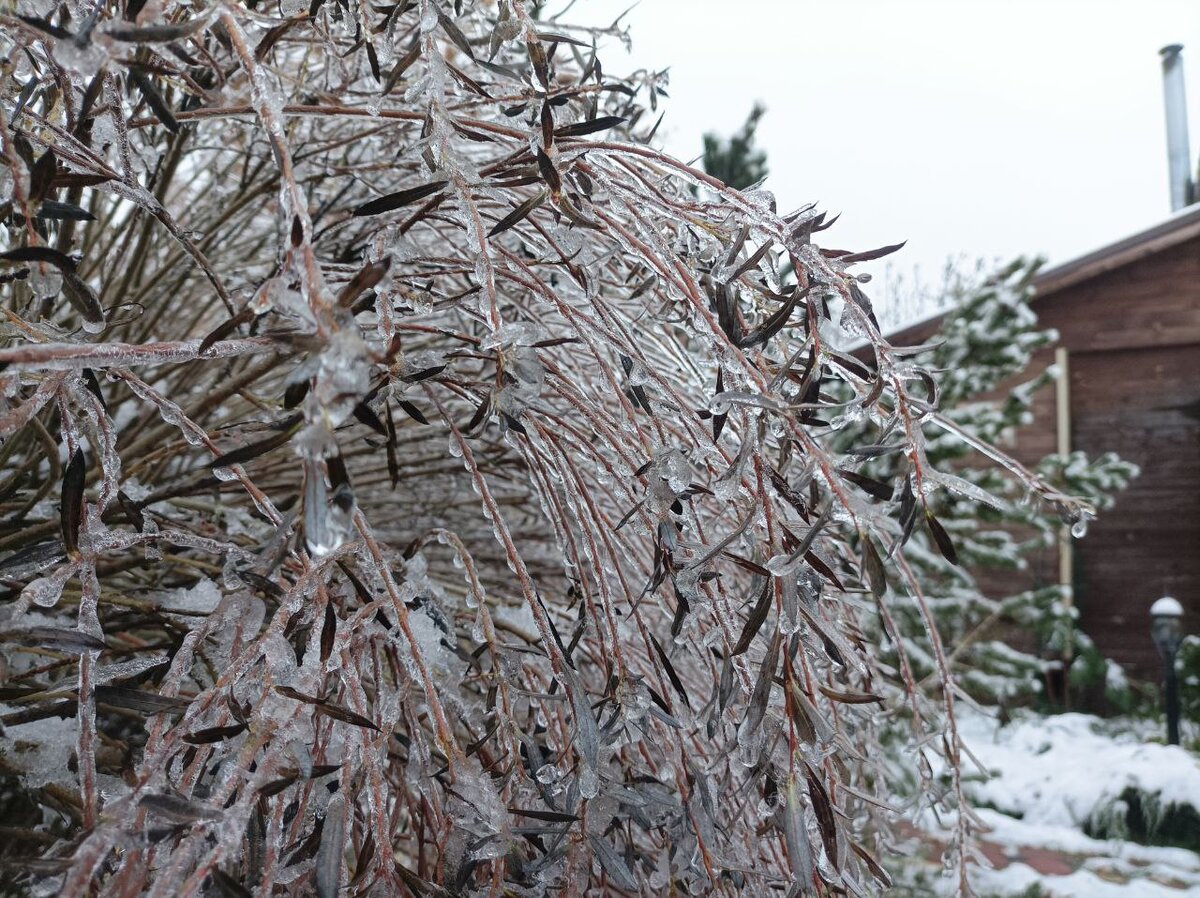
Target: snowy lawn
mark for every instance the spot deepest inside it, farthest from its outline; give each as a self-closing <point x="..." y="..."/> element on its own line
<point x="1052" y="777"/>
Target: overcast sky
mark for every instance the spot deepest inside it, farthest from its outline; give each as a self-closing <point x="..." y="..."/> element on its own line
<point x="980" y="128"/>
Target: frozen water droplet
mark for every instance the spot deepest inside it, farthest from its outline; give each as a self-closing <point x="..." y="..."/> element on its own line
<point x="43" y="592"/>
<point x="1079" y="528"/>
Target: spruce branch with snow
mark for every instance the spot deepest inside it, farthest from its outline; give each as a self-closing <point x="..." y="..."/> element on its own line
<point x="986" y="382"/>
<point x="412" y="486"/>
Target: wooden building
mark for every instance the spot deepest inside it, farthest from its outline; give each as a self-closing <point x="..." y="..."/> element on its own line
<point x="1128" y="319"/>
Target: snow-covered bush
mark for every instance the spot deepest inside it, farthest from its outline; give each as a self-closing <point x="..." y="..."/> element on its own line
<point x="412" y="486"/>
<point x="1003" y="644"/>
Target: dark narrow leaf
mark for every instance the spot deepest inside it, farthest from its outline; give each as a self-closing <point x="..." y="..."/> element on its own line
<point x="399" y="199"/>
<point x="82" y="297"/>
<point x="718" y="421"/>
<point x="758" y="615"/>
<point x="337" y="712"/>
<point x="93" y="384"/>
<point x="725" y="683"/>
<point x="849" y="696"/>
<point x="787" y="492"/>
<point x="294" y="393"/>
<point x="815" y="562"/>
<point x="44" y="26"/>
<point x="613" y="864"/>
<point x="157" y="34"/>
<point x="271" y="38"/>
<point x="367" y="278"/>
<point x="941" y="537"/>
<point x="297" y="230"/>
<point x="670" y="669"/>
<point x="364" y="414"/>
<point x="876" y="488"/>
<point x="579" y="129"/>
<point x="224" y="329"/>
<point x="423" y="374"/>
<point x="393" y="460"/>
<point x="798" y="845"/>
<point x="274" y="787"/>
<point x="880" y="874"/>
<point x="176" y="809"/>
<point x="366" y="854"/>
<point x="479" y="743"/>
<point x="265" y="585"/>
<point x="214" y="734"/>
<point x="229" y="886"/>
<point x="908" y="511"/>
<point x="873" y="566"/>
<point x="295" y="694"/>
<point x="402" y="65"/>
<point x="71" y="513"/>
<point x="60" y="211"/>
<point x="752" y="261"/>
<point x="455" y="34"/>
<point x="876" y="451"/>
<point x="549" y="173"/>
<point x="547" y="122"/>
<point x="761" y="695"/>
<point x="681" y="612"/>
<point x="254" y="450"/>
<point x="133" y="511"/>
<point x="74" y="641"/>
<point x="551" y="37"/>
<point x="412" y="411"/>
<point x="373" y="61"/>
<point x="541" y="65"/>
<point x="514" y="424"/>
<point x="746" y="564"/>
<point x="823" y="807"/>
<point x="138" y="700"/>
<point x="548" y="816"/>
<point x="480" y="415"/>
<point x="861" y="300"/>
<point x="519" y="213"/>
<point x="773" y="324"/>
<point x="555" y="341"/>
<point x="154" y="100"/>
<point x="240" y="712"/>
<point x="872" y="254"/>
<point x="328" y="632"/>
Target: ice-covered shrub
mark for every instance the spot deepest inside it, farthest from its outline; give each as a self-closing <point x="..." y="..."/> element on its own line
<point x="412" y="486"/>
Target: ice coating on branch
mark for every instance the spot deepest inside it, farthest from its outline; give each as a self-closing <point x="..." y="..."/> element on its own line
<point x="529" y="553"/>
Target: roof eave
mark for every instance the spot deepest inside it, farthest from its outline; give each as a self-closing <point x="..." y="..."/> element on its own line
<point x="1180" y="227"/>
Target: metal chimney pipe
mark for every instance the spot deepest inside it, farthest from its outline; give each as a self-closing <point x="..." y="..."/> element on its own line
<point x="1179" y="153"/>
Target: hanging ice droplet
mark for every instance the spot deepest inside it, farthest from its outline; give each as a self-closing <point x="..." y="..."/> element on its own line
<point x="43" y="592"/>
<point x="1079" y="528"/>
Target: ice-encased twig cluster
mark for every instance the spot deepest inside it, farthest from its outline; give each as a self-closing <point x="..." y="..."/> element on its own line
<point x="414" y="482"/>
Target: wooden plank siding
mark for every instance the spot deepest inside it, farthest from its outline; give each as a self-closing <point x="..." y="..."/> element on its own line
<point x="1130" y="320"/>
<point x="1133" y="334"/>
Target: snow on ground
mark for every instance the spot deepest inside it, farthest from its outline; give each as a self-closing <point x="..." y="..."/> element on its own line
<point x="1060" y="769"/>
<point x="1017" y="878"/>
<point x="1048" y="776"/>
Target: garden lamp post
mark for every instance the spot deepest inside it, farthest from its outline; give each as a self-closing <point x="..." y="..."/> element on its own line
<point x="1166" y="627"/>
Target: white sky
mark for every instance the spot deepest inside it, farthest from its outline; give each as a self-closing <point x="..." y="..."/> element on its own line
<point x="975" y="128"/>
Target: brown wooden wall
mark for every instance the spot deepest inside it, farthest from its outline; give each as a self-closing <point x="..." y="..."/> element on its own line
<point x="1133" y="339"/>
<point x="1133" y="335"/>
